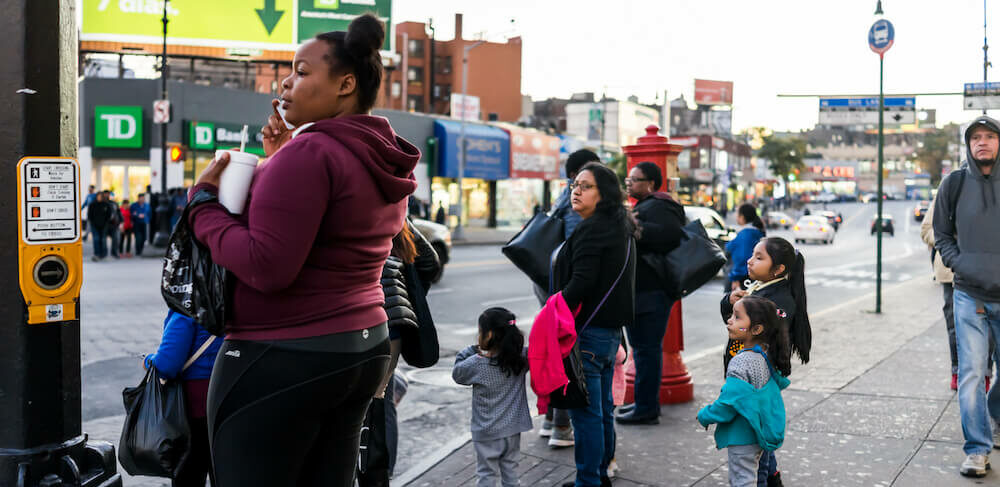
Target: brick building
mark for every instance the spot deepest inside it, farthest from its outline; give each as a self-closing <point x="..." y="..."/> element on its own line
<point x="494" y="73"/>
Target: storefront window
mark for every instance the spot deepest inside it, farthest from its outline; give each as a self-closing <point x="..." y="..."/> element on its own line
<point x="112" y="179"/>
<point x="475" y="199"/>
<point x="138" y="179"/>
<point x="516" y="201"/>
<point x="194" y="165"/>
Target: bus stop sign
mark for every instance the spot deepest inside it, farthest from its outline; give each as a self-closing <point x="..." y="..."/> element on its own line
<point x="881" y="36"/>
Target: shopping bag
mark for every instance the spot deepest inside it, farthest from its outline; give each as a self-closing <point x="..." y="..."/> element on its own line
<point x="156" y="437"/>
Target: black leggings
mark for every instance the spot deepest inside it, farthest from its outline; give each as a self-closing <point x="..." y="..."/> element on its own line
<point x="290" y="412"/>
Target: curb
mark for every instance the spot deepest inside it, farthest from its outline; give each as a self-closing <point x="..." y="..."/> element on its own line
<point x="433" y="459"/>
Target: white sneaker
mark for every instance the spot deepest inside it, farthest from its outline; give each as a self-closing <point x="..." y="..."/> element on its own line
<point x="561" y="437"/>
<point x="975" y="466"/>
<point x="612" y="469"/>
<point x="546" y="430"/>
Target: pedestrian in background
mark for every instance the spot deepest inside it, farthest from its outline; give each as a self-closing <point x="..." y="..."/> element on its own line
<point x="126" y="228"/>
<point x="749" y="413"/>
<point x="595" y="270"/>
<point x="740" y="248"/>
<point x="440" y="216"/>
<point x="114" y="222"/>
<point x="99" y="215"/>
<point x="556" y="426"/>
<point x="778" y="274"/>
<point x="661" y="221"/>
<point x="306" y="342"/>
<point x="966" y="230"/>
<point x="182" y="339"/>
<point x="139" y="212"/>
<point x="495" y="368"/>
<point x="91" y="196"/>
<point x="946" y="278"/>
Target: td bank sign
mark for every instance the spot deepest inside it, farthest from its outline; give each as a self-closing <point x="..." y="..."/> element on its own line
<point x="212" y="135"/>
<point x="118" y="126"/>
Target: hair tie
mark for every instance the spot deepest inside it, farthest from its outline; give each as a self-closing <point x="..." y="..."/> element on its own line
<point x="512" y="322"/>
<point x="781" y="313"/>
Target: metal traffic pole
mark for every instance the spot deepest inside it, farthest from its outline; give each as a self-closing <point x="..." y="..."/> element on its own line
<point x="881" y="36"/>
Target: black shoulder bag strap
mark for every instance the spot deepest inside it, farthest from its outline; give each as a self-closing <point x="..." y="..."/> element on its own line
<point x="628" y="254"/>
<point x="953" y="198"/>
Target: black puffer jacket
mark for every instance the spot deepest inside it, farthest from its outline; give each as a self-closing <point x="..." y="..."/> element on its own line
<point x="397" y="298"/>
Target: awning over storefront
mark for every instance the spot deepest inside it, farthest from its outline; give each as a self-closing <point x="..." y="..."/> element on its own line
<point x="487" y="155"/>
<point x="533" y="154"/>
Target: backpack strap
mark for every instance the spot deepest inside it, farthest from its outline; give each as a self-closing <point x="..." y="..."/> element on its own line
<point x="953" y="200"/>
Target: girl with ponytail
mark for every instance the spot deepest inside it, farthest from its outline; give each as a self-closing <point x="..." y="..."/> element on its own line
<point x="777" y="272"/>
<point x="495" y="368"/>
<point x="740" y="248"/>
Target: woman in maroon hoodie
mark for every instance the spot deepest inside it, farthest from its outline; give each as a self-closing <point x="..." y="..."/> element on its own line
<point x="307" y="342"/>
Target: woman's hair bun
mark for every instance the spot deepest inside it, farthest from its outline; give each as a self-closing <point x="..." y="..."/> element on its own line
<point x="365" y="35"/>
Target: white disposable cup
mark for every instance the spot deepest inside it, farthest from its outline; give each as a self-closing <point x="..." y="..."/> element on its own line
<point x="234" y="184"/>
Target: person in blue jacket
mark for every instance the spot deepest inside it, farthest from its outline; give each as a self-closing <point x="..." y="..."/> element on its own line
<point x="749" y="413"/>
<point x="182" y="338"/>
<point x="741" y="248"/>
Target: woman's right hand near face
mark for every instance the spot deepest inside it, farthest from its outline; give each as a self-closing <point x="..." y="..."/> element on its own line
<point x="276" y="133"/>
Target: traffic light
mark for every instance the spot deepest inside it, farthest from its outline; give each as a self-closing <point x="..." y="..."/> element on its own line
<point x="176" y="153"/>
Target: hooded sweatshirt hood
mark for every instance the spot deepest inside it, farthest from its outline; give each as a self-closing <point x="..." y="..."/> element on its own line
<point x="389" y="158"/>
<point x="672" y="204"/>
<point x="989" y="196"/>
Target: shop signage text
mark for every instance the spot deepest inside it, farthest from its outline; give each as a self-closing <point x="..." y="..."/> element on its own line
<point x="211" y="135"/>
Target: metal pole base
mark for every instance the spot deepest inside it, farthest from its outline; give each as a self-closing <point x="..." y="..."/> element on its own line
<point x="76" y="462"/>
<point x="162" y="221"/>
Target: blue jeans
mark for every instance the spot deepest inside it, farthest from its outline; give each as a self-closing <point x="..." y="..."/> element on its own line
<point x="767" y="467"/>
<point x="652" y="309"/>
<point x="100" y="241"/>
<point x="972" y="332"/>
<point x="594" y="425"/>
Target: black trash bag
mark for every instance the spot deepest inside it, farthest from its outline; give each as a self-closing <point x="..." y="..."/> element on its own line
<point x="192" y="284"/>
<point x="156" y="437"/>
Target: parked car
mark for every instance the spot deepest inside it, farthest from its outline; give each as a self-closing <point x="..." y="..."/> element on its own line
<point x="887" y="226"/>
<point x="714" y="225"/>
<point x="826" y="198"/>
<point x="813" y="227"/>
<point x="920" y="211"/>
<point x="777" y="219"/>
<point x="835" y="219"/>
<point x="440" y="238"/>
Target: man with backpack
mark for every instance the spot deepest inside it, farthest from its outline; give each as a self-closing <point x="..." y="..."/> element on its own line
<point x="966" y="231"/>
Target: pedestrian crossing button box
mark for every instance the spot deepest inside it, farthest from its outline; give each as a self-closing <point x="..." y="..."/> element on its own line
<point x="50" y="251"/>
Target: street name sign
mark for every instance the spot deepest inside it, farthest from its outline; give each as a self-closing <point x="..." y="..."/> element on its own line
<point x="864" y="111"/>
<point x="981" y="96"/>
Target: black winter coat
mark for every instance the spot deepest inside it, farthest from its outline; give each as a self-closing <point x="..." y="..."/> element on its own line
<point x="405" y="287"/>
<point x="661" y="220"/>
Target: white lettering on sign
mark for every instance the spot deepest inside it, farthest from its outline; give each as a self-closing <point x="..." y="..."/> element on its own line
<point x="202" y="135"/>
<point x="153" y="7"/>
<point x="120" y="126"/>
<point x="50" y="200"/>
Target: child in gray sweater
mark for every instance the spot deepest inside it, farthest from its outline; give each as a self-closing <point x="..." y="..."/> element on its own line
<point x="495" y="368"/>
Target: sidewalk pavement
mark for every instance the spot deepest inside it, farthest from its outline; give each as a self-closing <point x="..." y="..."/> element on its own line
<point x="873" y="407"/>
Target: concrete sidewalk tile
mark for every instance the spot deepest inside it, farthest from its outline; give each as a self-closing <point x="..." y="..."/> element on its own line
<point x="838" y="459"/>
<point x="863" y="415"/>
<point x="449" y="470"/>
<point x="539" y="471"/>
<point x="949" y="427"/>
<point x="558" y="475"/>
<point x="908" y="373"/>
<point x="936" y="464"/>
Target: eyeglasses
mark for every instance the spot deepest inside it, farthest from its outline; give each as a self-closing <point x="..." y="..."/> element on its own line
<point x="582" y="186"/>
<point x="636" y="180"/>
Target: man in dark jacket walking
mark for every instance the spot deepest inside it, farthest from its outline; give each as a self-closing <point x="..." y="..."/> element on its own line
<point x="661" y="220"/>
<point x="966" y="231"/>
<point x="99" y="216"/>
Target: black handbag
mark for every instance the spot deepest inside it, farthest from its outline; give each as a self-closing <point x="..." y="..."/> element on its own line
<point x="574" y="394"/>
<point x="192" y="284"/>
<point x="419" y="346"/>
<point x="531" y="249"/>
<point x="695" y="261"/>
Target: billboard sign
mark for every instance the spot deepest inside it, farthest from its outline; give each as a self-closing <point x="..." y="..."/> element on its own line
<point x="709" y="92"/>
<point x="278" y="25"/>
<point x="981" y="96"/>
<point x="864" y="111"/>
<point x="533" y="154"/>
<point x="118" y="127"/>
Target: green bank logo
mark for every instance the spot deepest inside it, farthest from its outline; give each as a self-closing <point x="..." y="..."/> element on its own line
<point x="118" y="126"/>
<point x="201" y="135"/>
<point x="326" y="4"/>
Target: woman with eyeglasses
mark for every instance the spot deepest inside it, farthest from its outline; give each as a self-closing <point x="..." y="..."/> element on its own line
<point x="660" y="220"/>
<point x="595" y="269"/>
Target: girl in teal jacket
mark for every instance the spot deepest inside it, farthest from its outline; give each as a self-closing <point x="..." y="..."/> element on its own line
<point x="749" y="413"/>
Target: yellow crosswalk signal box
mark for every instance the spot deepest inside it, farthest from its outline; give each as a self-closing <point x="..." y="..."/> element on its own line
<point x="50" y="253"/>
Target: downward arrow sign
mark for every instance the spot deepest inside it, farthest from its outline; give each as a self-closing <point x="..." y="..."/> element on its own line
<point x="269" y="16"/>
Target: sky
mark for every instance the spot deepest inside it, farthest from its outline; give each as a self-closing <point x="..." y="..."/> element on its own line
<point x="766" y="48"/>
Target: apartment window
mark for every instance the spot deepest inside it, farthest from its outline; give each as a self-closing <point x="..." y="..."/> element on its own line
<point x="443" y="64"/>
<point x="416" y="48"/>
<point x="415" y="74"/>
<point x="415" y="103"/>
<point x="397" y="89"/>
<point x="442" y="92"/>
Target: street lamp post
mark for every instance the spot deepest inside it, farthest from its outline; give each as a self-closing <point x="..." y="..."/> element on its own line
<point x="459" y="233"/>
<point x="163" y="207"/>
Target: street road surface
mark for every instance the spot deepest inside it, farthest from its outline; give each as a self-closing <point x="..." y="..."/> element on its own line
<point x="122" y="315"/>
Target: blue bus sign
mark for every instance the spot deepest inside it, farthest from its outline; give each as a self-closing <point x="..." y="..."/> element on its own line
<point x="881" y="36"/>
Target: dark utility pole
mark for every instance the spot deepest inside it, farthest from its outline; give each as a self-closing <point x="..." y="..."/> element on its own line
<point x="986" y="48"/>
<point x="41" y="442"/>
<point x="163" y="208"/>
<point x="430" y="79"/>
